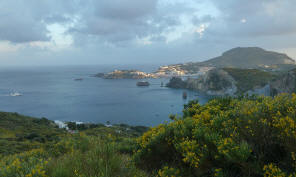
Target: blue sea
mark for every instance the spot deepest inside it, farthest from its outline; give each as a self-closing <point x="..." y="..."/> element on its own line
<point x="52" y="92"/>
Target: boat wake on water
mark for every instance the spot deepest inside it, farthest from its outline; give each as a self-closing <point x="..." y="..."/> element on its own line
<point x="13" y="94"/>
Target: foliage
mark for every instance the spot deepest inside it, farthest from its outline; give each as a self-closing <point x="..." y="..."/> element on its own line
<point x="248" y="79"/>
<point x="176" y="82"/>
<point x="28" y="164"/>
<point x="21" y="133"/>
<point x="92" y="157"/>
<point x="95" y="151"/>
<point x="245" y="136"/>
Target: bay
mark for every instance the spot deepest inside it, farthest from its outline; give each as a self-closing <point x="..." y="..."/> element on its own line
<point x="52" y="92"/>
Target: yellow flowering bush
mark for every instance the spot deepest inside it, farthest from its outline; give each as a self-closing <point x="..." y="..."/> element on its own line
<point x="27" y="164"/>
<point x="225" y="137"/>
<point x="168" y="172"/>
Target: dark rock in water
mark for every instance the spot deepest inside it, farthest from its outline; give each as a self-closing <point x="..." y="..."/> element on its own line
<point x="184" y="95"/>
<point x="143" y="83"/>
<point x="99" y="75"/>
<point x="176" y="82"/>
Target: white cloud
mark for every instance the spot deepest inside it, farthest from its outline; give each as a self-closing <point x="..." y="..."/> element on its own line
<point x="201" y="29"/>
<point x="243" y="20"/>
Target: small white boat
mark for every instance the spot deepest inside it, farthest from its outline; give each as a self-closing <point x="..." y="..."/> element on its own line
<point x="15" y="94"/>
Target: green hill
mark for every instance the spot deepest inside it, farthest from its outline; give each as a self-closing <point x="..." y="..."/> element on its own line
<point x="21" y="133"/>
<point x="31" y="147"/>
<point x="249" y="57"/>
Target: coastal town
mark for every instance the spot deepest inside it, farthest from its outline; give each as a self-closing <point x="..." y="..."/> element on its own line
<point x="162" y="72"/>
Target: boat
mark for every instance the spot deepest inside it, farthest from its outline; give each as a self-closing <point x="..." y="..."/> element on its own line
<point x="78" y="79"/>
<point x="15" y="94"/>
<point x="143" y="83"/>
<point x="184" y="95"/>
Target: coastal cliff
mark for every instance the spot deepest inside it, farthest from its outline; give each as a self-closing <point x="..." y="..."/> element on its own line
<point x="214" y="82"/>
<point x="233" y="81"/>
<point x="285" y="83"/>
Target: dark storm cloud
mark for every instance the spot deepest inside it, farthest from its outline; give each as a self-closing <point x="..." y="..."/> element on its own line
<point x="57" y="18"/>
<point x="111" y="21"/>
<point x="25" y="21"/>
<point x="254" y="18"/>
<point x="18" y="24"/>
<point x="121" y="20"/>
<point x="124" y="9"/>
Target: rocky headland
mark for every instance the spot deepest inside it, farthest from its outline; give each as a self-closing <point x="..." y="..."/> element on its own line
<point x="234" y="81"/>
<point x="214" y="82"/>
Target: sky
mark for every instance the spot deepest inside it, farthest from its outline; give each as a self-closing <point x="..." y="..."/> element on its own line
<point x="95" y="32"/>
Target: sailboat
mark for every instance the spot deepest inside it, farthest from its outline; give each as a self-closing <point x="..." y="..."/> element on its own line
<point x="15" y="94"/>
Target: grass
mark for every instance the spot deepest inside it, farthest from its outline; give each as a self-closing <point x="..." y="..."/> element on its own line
<point x="22" y="133"/>
<point x="33" y="147"/>
<point x="93" y="157"/>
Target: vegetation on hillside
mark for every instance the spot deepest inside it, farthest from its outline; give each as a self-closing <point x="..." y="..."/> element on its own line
<point x="246" y="136"/>
<point x="248" y="79"/>
<point x="243" y="136"/>
<point x="21" y="133"/>
<point x="250" y="57"/>
<point x="33" y="147"/>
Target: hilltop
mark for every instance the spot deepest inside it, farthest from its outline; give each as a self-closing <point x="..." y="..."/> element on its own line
<point x="240" y="57"/>
<point x="249" y="57"/>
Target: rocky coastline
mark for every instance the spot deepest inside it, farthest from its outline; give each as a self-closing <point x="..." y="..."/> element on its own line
<point x="222" y="82"/>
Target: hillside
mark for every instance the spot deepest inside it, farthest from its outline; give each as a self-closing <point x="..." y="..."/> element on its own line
<point x="21" y="133"/>
<point x="226" y="137"/>
<point x="284" y="83"/>
<point x="249" y="79"/>
<point x="249" y="57"/>
<point x="31" y="147"/>
<point x="226" y="81"/>
<point x="240" y="57"/>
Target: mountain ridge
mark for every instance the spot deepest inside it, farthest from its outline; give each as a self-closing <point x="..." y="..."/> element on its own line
<point x="254" y="56"/>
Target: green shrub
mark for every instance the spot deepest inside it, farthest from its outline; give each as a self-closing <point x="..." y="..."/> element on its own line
<point x="248" y="79"/>
<point x="28" y="164"/>
<point x="225" y="137"/>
